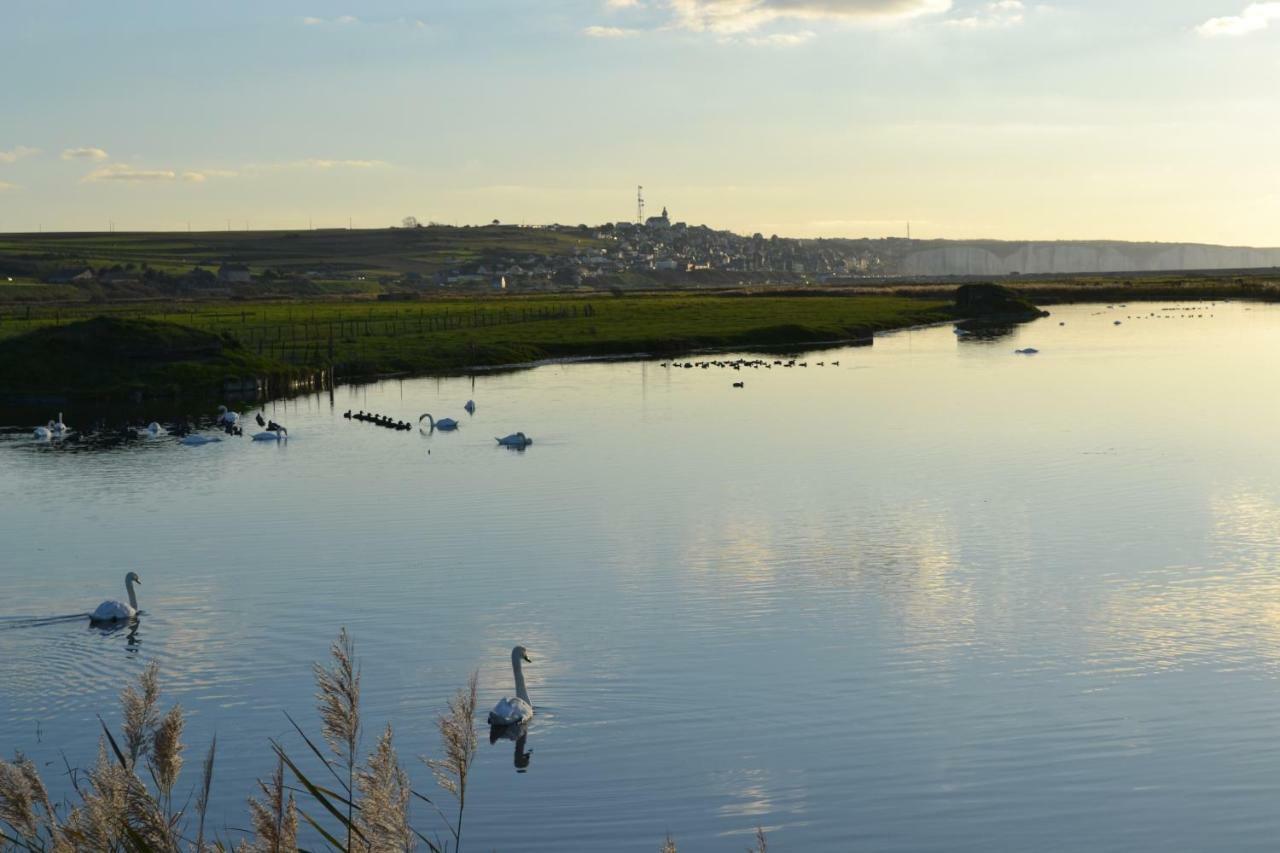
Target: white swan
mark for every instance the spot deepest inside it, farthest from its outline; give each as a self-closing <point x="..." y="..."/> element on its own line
<point x="280" y="434"/>
<point x="59" y="428"/>
<point x="470" y="407"/>
<point x="118" y="611"/>
<point x="516" y="439"/>
<point x="227" y="418"/>
<point x="44" y="433"/>
<point x="198" y="440"/>
<point x="508" y="712"/>
<point x="154" y="429"/>
<point x="445" y="424"/>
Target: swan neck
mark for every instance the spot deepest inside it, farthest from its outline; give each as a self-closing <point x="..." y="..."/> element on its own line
<point x="521" y="690"/>
<point x="133" y="598"/>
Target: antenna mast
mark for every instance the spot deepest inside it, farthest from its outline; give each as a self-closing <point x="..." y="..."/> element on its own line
<point x="639" y="205"/>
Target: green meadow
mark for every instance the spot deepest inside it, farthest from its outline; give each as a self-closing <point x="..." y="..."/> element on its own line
<point x="369" y="338"/>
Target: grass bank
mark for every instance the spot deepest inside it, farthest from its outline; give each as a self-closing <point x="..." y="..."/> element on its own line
<point x="41" y="346"/>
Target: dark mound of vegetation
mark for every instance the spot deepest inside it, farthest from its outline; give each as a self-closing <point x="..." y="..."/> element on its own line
<point x="994" y="301"/>
<point x="112" y="355"/>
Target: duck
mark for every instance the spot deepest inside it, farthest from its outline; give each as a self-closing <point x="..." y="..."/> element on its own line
<point x="470" y="407"/>
<point x="1027" y="351"/>
<point x="446" y="424"/>
<point x="261" y="422"/>
<point x="739" y="385"/>
<point x="347" y="414"/>
<point x="510" y="712"/>
<point x="118" y="611"/>
<point x="516" y="439"/>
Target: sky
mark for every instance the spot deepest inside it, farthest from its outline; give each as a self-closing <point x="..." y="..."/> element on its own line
<point x="1010" y="119"/>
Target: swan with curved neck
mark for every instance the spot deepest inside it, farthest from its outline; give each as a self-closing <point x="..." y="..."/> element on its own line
<point x="118" y="611"/>
<point x="445" y="424"/>
<point x="510" y="712"/>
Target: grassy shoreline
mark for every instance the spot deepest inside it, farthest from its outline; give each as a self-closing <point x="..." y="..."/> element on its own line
<point x="39" y="347"/>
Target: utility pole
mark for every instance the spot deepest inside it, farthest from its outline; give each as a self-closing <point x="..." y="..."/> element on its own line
<point x="639" y="205"/>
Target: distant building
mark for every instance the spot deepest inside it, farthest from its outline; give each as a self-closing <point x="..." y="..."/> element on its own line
<point x="234" y="274"/>
<point x="662" y="222"/>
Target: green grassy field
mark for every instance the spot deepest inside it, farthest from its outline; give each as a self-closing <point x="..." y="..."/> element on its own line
<point x="361" y="339"/>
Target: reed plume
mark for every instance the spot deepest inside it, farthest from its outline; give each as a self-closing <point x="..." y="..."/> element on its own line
<point x="762" y="843"/>
<point x="202" y="801"/>
<point x="140" y="714"/>
<point x="99" y="822"/>
<point x="275" y="817"/>
<point x="22" y="797"/>
<point x="384" y="800"/>
<point x="166" y="751"/>
<point x="458" y="736"/>
<point x="668" y="845"/>
<point x="338" y="698"/>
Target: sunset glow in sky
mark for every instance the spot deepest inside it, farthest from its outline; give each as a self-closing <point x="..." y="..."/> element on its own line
<point x="1069" y="119"/>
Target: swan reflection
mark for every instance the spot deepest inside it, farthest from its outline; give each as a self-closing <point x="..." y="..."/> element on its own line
<point x="518" y="733"/>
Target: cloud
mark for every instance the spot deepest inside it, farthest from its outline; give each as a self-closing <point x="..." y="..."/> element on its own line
<point x="128" y="174"/>
<point x="623" y="4"/>
<point x="84" y="154"/>
<point x="781" y="39"/>
<point x="1000" y="13"/>
<point x="597" y="32"/>
<point x="15" y="154"/>
<point x="317" y="163"/>
<point x="742" y="16"/>
<point x="341" y="20"/>
<point x="1255" y="17"/>
<point x="5" y="185"/>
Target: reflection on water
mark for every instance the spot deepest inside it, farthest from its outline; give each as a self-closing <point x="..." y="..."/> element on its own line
<point x="938" y="597"/>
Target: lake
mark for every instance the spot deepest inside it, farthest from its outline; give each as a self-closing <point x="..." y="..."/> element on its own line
<point x="940" y="597"/>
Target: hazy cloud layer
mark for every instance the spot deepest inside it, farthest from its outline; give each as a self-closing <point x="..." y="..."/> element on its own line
<point x="318" y="163"/>
<point x="340" y="20"/>
<point x="781" y="39"/>
<point x="599" y="32"/>
<point x="125" y="173"/>
<point x="84" y="154"/>
<point x="1255" y="17"/>
<point x="4" y="185"/>
<point x="1000" y="13"/>
<point x="15" y="154"/>
<point x="740" y="16"/>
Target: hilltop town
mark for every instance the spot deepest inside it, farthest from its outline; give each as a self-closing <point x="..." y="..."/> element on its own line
<point x="658" y="253"/>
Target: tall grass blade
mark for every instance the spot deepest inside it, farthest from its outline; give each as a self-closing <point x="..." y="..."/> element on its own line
<point x="315" y="792"/>
<point x="114" y="746"/>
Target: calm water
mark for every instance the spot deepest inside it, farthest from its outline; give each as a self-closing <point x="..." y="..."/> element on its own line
<point x="940" y="597"/>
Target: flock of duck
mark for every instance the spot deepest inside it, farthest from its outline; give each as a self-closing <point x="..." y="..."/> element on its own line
<point x="515" y="439"/>
<point x="377" y="420"/>
<point x="740" y="363"/>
